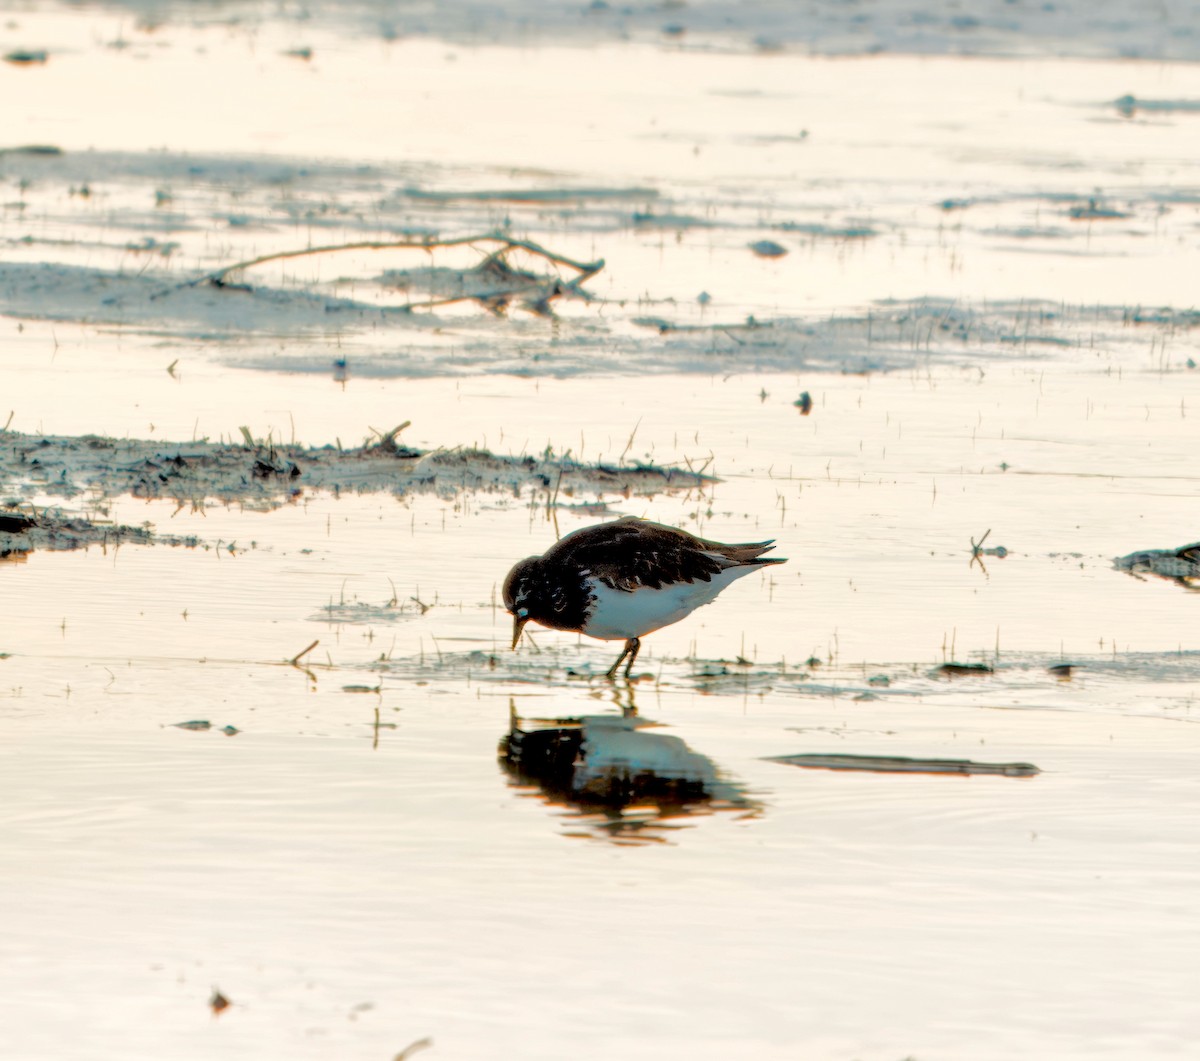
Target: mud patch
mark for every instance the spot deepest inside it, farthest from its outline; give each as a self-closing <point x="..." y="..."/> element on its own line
<point x="21" y="534"/>
<point x="266" y="475"/>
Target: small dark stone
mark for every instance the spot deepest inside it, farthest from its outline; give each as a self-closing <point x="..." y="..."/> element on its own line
<point x="965" y="668"/>
<point x="15" y="523"/>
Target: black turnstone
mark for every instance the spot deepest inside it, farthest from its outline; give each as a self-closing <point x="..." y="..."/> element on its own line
<point x="622" y="580"/>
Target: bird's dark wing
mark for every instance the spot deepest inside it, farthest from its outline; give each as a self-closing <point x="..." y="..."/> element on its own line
<point x="631" y="553"/>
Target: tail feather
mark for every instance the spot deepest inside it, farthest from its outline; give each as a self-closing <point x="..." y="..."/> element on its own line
<point x="749" y="553"/>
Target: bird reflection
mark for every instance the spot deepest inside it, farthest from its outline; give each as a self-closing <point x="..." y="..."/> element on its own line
<point x="621" y="781"/>
<point x="1181" y="566"/>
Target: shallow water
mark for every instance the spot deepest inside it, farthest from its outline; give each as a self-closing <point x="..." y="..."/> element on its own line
<point x="986" y="348"/>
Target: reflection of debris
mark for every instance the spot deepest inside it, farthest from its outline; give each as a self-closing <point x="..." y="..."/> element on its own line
<point x="1062" y="671"/>
<point x="1181" y="566"/>
<point x="899" y="764"/>
<point x="625" y="781"/>
<point x="955" y="669"/>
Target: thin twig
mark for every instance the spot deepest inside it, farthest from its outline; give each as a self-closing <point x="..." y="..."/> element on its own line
<point x="629" y="444"/>
<point x="977" y="551"/>
<point x="585" y="269"/>
<point x="412" y="1048"/>
<point x="295" y="660"/>
<point x="977" y="546"/>
<point x="552" y="499"/>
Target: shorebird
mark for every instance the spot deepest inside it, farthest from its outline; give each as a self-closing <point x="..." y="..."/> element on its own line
<point x="622" y="580"/>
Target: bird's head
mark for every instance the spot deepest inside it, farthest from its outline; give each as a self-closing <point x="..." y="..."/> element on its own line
<point x="521" y="588"/>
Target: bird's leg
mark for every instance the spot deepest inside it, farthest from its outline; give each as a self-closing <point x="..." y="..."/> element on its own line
<point x="631" y="645"/>
<point x="636" y="645"/>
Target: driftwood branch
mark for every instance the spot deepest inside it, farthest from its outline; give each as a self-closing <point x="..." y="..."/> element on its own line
<point x="584" y="270"/>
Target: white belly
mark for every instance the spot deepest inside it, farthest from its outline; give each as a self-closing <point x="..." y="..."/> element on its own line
<point x="618" y="615"/>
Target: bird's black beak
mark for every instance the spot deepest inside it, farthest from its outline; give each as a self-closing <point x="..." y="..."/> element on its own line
<point x="519" y="622"/>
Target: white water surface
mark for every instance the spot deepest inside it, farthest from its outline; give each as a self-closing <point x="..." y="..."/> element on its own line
<point x="989" y="297"/>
